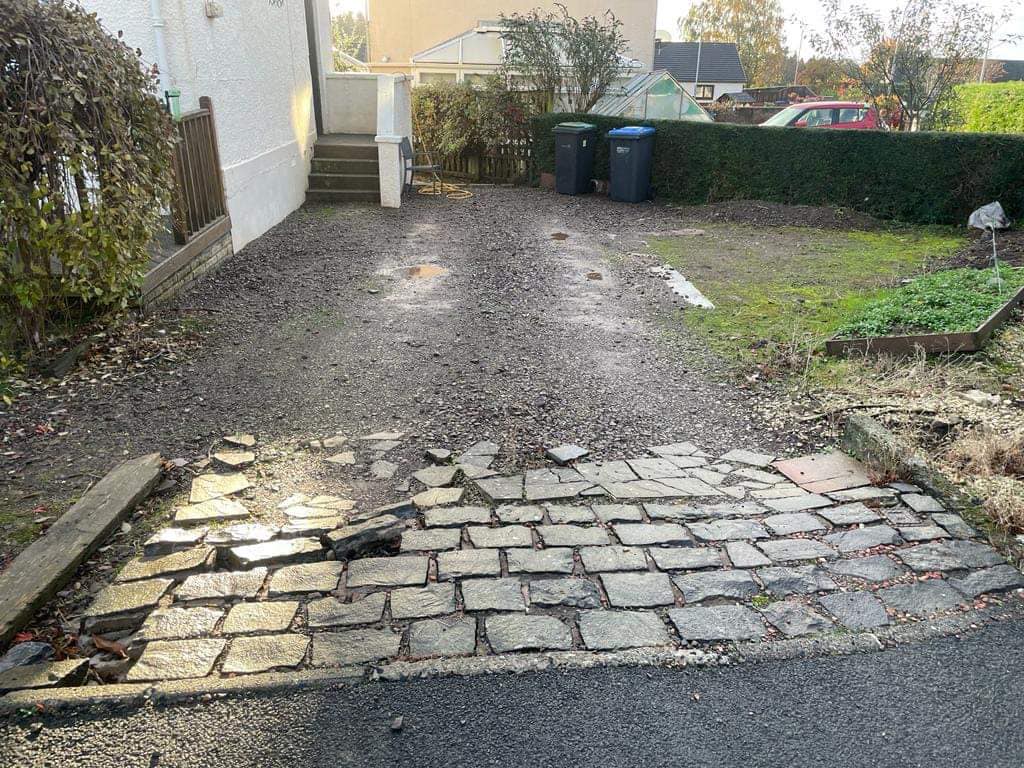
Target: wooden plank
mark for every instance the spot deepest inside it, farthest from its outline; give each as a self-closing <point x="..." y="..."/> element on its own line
<point x="50" y="561"/>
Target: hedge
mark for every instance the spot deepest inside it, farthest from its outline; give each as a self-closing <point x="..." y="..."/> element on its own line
<point x="995" y="107"/>
<point x="928" y="178"/>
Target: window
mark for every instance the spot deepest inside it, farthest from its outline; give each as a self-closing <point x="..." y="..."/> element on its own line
<point x="437" y="77"/>
<point x="852" y="115"/>
<point x="813" y="118"/>
<point x="705" y="92"/>
<point x="476" y="80"/>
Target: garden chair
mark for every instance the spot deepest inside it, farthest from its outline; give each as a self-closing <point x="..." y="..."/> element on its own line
<point x="411" y="169"/>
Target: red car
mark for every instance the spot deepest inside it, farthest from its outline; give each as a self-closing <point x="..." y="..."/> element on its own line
<point x="852" y="115"/>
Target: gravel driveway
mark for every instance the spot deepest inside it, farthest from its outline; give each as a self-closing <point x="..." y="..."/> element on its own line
<point x="321" y="326"/>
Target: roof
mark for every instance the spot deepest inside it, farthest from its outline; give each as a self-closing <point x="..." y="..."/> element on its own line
<point x="1013" y="69"/>
<point x="719" y="62"/>
<point x="618" y="100"/>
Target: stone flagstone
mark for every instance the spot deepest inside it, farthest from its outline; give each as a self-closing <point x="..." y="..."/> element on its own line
<point x="794" y="619"/>
<point x="455" y="517"/>
<point x="431" y="540"/>
<point x="717" y="622"/>
<point x="552" y="491"/>
<point x="857" y="539"/>
<point x="176" y="660"/>
<point x="874" y="568"/>
<point x="120" y="606"/>
<point x="178" y="624"/>
<point x="614" y="630"/>
<point x="499" y="489"/>
<point x="949" y="556"/>
<point x="504" y="536"/>
<point x="744" y="555"/>
<point x="728" y="530"/>
<point x="248" y="655"/>
<point x="740" y="456"/>
<point x="795" y="522"/>
<point x="563" y="454"/>
<point x="279" y="552"/>
<point x="686" y="558"/>
<point x="996" y="579"/>
<point x="855" y="610"/>
<point x="618" y="513"/>
<point x="519" y="513"/>
<point x="572" y="593"/>
<point x="212" y="511"/>
<point x="242" y="440"/>
<point x="331" y="612"/>
<point x="613" y="558"/>
<point x="421" y="602"/>
<point x="437" y="497"/>
<point x="562" y="514"/>
<point x="268" y="616"/>
<point x="954" y="525"/>
<point x="452" y="636"/>
<point x="527" y="633"/>
<point x="407" y="570"/>
<point x="168" y="540"/>
<point x="799" y="580"/>
<point x="216" y="586"/>
<point x="791" y="550"/>
<point x="602" y="473"/>
<point x="919" y="502"/>
<point x="572" y="535"/>
<point x="921" y="598"/>
<point x="644" y="534"/>
<point x="207" y="487"/>
<point x="469" y="562"/>
<point x="434" y="477"/>
<point x="553" y="560"/>
<point x="849" y="514"/>
<point x="351" y="540"/>
<point x="637" y="590"/>
<point x="354" y="646"/>
<point x="49" y="674"/>
<point x="241" y="533"/>
<point x="798" y="503"/>
<point x="235" y="459"/>
<point x="493" y="595"/>
<point x="306" y="577"/>
<point x="675" y="449"/>
<point x="175" y="565"/>
<point x="713" y="584"/>
<point x="654" y="469"/>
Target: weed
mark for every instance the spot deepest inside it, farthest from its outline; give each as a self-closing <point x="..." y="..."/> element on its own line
<point x="761" y="601"/>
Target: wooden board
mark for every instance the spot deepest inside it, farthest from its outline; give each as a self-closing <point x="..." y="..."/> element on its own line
<point x="50" y="561"/>
<point x="930" y="343"/>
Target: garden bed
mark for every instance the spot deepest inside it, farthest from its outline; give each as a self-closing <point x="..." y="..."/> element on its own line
<point x="943" y="313"/>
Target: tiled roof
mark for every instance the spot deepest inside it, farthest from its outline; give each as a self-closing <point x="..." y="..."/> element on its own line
<point x="719" y="62"/>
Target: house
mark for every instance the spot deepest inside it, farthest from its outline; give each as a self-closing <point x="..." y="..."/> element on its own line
<point x="651" y="96"/>
<point x="473" y="55"/>
<point x="251" y="58"/>
<point x="400" y="30"/>
<point x="706" y="70"/>
<point x="776" y="95"/>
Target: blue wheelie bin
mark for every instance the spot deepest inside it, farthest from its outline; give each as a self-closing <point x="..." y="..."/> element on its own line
<point x="632" y="148"/>
<point x="574" y="157"/>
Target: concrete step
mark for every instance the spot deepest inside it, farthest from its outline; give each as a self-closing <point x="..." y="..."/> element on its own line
<point x="343" y="195"/>
<point x="341" y="151"/>
<point x="335" y="165"/>
<point x="344" y="181"/>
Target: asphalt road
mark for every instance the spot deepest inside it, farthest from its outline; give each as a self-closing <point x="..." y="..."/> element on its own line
<point x="949" y="702"/>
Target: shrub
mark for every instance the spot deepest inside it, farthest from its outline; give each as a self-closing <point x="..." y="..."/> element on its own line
<point x="926" y="178"/>
<point x="987" y="107"/>
<point x="85" y="164"/>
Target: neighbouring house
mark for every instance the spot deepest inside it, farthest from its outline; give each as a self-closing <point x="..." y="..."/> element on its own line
<point x="251" y="58"/>
<point x="776" y="95"/>
<point x="706" y="70"/>
<point x="404" y="35"/>
<point x="1006" y="70"/>
<point x="651" y="96"/>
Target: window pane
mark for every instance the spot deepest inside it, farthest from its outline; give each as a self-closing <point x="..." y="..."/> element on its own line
<point x="814" y="117"/>
<point x="437" y="77"/>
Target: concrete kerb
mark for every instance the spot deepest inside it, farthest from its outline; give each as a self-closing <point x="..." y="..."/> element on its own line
<point x="868" y="440"/>
<point x="32" y="703"/>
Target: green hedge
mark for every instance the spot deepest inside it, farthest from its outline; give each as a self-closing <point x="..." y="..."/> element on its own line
<point x="993" y="107"/>
<point x="928" y="178"/>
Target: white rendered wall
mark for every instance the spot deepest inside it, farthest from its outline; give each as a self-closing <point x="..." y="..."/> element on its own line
<point x="350" y="103"/>
<point x="720" y="88"/>
<point x="253" y="61"/>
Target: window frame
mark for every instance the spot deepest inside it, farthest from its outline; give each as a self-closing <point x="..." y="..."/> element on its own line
<point x="697" y="90"/>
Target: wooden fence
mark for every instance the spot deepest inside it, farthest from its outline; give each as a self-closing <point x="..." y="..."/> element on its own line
<point x="198" y="198"/>
<point x="507" y="164"/>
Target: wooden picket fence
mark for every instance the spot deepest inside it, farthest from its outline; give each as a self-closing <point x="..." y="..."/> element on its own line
<point x="507" y="164"/>
<point x="198" y="197"/>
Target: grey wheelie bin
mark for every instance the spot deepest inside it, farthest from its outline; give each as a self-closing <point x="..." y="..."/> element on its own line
<point x="632" y="148"/>
<point x="574" y="157"/>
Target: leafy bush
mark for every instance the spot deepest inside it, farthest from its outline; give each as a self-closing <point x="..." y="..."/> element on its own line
<point x="987" y="107"/>
<point x="85" y="164"/>
<point x="455" y="118"/>
<point x="925" y="178"/>
<point x="951" y="301"/>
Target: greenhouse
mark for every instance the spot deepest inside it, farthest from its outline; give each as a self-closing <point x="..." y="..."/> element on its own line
<point x="651" y="96"/>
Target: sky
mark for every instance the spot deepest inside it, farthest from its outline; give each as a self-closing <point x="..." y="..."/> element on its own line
<point x="806" y="11"/>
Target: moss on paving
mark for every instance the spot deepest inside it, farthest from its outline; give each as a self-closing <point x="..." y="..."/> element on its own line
<point x="793" y="286"/>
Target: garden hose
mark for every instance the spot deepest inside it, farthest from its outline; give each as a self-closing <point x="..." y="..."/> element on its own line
<point x="450" y="191"/>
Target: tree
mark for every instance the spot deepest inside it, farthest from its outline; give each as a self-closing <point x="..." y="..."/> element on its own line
<point x="85" y="164"/>
<point x="908" y="63"/>
<point x="348" y="36"/>
<point x="754" y="25"/>
<point x="827" y="78"/>
<point x="558" y="54"/>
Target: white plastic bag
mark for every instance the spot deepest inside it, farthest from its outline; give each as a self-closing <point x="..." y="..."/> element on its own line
<point x="990" y="217"/>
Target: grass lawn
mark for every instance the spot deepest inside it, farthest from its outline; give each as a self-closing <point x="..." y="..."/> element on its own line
<point x="784" y="290"/>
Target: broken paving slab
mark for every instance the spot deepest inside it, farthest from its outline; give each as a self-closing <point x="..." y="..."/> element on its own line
<point x="744" y="555"/>
<point x="795" y="580"/>
<point x="675" y="449"/>
<point x="654" y="469"/>
<point x="354" y="646"/>
<point x="383" y="436"/>
<point x="241" y="533"/>
<point x="569" y="513"/>
<point x="616" y="630"/>
<point x="350" y="540"/>
<point x="556" y="491"/>
<point x="168" y="540"/>
<point x="603" y="472"/>
<point x="383" y="470"/>
<point x="235" y="459"/>
<point x="212" y="486"/>
<point x="825" y="472"/>
<point x="798" y="503"/>
<point x="241" y="439"/>
<point x="343" y="459"/>
<point x="437" y="497"/>
<point x="332" y="612"/>
<point x="794" y="619"/>
<point x="999" y="578"/>
<point x="306" y="577"/>
<point x="176" y="660"/>
<point x="221" y="585"/>
<point x="212" y="511"/>
<point x="951" y="555"/>
<point x="248" y="655"/>
<point x="857" y="539"/>
<point x="176" y="565"/>
<point x="312" y="526"/>
<point x="498" y="489"/>
<point x="48" y="674"/>
<point x="563" y="454"/>
<point x="266" y="616"/>
<point x="278" y="552"/>
<point x="618" y="513"/>
<point x="642" y="489"/>
<point x="122" y="606"/>
<point x="921" y="598"/>
<point x="919" y="502"/>
<point x="527" y="633"/>
<point x="740" y="456"/>
<point x="436" y="477"/>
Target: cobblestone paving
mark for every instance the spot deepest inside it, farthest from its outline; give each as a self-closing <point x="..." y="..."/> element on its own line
<point x="677" y="548"/>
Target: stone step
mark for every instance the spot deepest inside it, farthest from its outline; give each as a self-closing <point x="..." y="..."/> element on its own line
<point x="344" y="181"/>
<point x="345" y="166"/>
<point x="345" y="151"/>
<point x="343" y="195"/>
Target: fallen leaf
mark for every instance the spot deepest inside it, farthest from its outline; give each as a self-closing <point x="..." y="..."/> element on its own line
<point x="110" y="646"/>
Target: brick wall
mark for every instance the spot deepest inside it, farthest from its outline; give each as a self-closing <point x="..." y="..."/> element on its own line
<point x="177" y="273"/>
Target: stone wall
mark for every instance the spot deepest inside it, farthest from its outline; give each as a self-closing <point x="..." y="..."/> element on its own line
<point x="173" y="275"/>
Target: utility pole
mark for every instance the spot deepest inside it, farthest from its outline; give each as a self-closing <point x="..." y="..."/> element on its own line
<point x="799" y="47"/>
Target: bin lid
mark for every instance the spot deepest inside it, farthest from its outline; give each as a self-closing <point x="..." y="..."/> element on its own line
<point x="631" y="132"/>
<point x="575" y="128"/>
